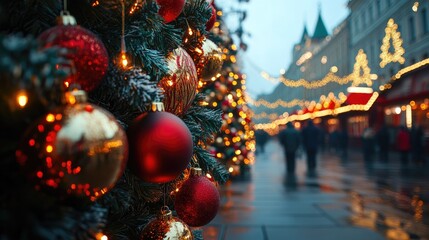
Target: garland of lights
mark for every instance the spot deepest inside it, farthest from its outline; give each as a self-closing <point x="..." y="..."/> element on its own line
<point x="264" y="115"/>
<point x="272" y="127"/>
<point x="276" y="104"/>
<point x="393" y="34"/>
<point x="302" y="117"/>
<point x="293" y="103"/>
<point x="356" y="77"/>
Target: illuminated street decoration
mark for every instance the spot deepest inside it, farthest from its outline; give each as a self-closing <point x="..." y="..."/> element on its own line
<point x="393" y="34"/>
<point x="361" y="64"/>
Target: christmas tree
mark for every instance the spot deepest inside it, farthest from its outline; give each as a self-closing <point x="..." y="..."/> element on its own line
<point x="235" y="144"/>
<point x="103" y="164"/>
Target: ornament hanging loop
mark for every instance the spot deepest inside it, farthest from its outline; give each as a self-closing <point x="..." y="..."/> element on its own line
<point x="65" y="18"/>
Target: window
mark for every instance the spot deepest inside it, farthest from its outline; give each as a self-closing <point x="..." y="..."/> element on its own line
<point x="412" y="29"/>
<point x="424" y="21"/>
<point x="371" y="14"/>
<point x="378" y="6"/>
<point x="388" y="3"/>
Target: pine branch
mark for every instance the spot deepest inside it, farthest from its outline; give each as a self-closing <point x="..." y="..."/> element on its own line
<point x="203" y="122"/>
<point x="209" y="164"/>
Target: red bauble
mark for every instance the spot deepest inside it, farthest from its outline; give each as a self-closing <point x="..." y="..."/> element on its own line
<point x="197" y="201"/>
<point x="210" y="23"/>
<point x="160" y="146"/>
<point x="170" y="9"/>
<point x="181" y="83"/>
<point x="89" y="56"/>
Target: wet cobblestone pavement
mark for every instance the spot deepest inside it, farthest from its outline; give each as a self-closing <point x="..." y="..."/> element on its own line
<point x="344" y="199"/>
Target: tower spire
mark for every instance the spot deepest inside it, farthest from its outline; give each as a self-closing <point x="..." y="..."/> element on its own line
<point x="320" y="32"/>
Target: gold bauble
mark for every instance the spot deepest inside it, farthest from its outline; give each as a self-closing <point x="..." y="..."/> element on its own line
<point x="211" y="61"/>
<point x="180" y="84"/>
<point x="78" y="149"/>
<point x="165" y="226"/>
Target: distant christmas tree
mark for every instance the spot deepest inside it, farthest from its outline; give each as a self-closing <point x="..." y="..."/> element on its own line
<point x="235" y="144"/>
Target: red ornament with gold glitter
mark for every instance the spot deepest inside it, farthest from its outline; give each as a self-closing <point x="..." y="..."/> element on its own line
<point x="88" y="54"/>
<point x="78" y="149"/>
<point x="170" y="9"/>
<point x="161" y="145"/>
<point x="180" y="84"/>
<point x="197" y="201"/>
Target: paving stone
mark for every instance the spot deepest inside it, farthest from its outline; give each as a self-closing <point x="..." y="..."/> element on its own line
<point x="331" y="233"/>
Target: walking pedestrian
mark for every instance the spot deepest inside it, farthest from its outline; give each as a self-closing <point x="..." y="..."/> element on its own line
<point x="383" y="142"/>
<point x="261" y="138"/>
<point x="344" y="143"/>
<point x="417" y="144"/>
<point x="290" y="140"/>
<point x="403" y="144"/>
<point x="368" y="144"/>
<point x="311" y="141"/>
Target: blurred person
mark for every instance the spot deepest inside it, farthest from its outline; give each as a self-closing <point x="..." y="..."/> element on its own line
<point x="261" y="138"/>
<point x="403" y="144"/>
<point x="311" y="140"/>
<point x="343" y="142"/>
<point x="383" y="142"/>
<point x="290" y="140"/>
<point x="334" y="141"/>
<point x="417" y="143"/>
<point x="368" y="144"/>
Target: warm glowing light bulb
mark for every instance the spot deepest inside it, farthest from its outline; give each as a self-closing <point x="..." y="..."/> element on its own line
<point x="415" y="6"/>
<point x="124" y="60"/>
<point x="22" y="99"/>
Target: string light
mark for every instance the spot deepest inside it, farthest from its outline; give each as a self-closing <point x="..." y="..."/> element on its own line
<point x="273" y="126"/>
<point x="403" y="71"/>
<point x="264" y="115"/>
<point x="356" y="77"/>
<point x="136" y="6"/>
<point x="393" y="34"/>
<point x="123" y="58"/>
<point x="277" y="103"/>
<point x="22" y="99"/>
<point x="293" y="103"/>
<point x="415" y="7"/>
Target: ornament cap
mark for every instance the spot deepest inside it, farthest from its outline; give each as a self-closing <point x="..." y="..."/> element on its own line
<point x="75" y="96"/>
<point x="166" y="214"/>
<point x="196" y="171"/>
<point x="157" y="107"/>
<point x="65" y="19"/>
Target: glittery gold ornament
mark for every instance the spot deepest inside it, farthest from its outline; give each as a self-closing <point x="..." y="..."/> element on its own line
<point x="180" y="85"/>
<point x="211" y="59"/>
<point x="165" y="226"/>
<point x="78" y="149"/>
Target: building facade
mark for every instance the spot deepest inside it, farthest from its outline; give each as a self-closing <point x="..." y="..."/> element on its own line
<point x="391" y="36"/>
